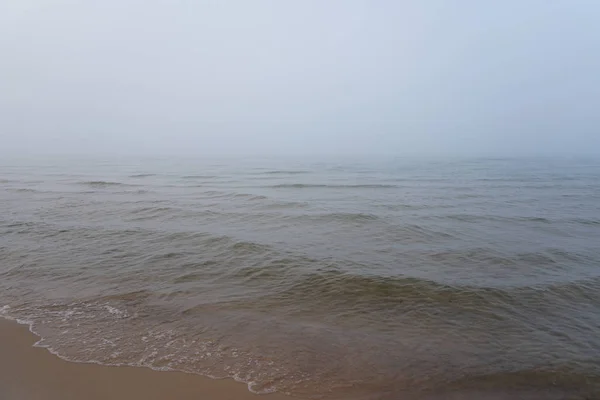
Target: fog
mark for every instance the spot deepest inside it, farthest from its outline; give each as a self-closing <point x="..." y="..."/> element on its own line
<point x="300" y="77"/>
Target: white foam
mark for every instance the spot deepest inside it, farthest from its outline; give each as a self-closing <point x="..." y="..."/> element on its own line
<point x="115" y="311"/>
<point x="142" y="363"/>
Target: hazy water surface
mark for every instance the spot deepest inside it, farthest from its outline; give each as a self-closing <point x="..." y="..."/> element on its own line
<point x="352" y="278"/>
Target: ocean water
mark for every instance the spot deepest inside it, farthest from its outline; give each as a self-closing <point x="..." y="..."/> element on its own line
<point x="353" y="278"/>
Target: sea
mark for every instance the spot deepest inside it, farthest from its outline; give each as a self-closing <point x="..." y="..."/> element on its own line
<point x="323" y="278"/>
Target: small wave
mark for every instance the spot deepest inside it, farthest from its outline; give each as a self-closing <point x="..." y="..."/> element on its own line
<point x="26" y="190"/>
<point x="341" y="217"/>
<point x="586" y="221"/>
<point x="284" y="205"/>
<point x="337" y="288"/>
<point x="215" y="194"/>
<point x="331" y="186"/>
<point x="401" y="206"/>
<point x="250" y="196"/>
<point x="479" y="218"/>
<point x="338" y="285"/>
<point x="141" y="175"/>
<point x="276" y="270"/>
<point x="152" y="210"/>
<point x="199" y="177"/>
<point x="250" y="247"/>
<point x="198" y="270"/>
<point x="284" y="172"/>
<point x="535" y="219"/>
<point x="104" y="184"/>
<point x="486" y="256"/>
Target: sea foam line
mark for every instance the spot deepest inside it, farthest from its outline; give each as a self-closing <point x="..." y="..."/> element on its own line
<point x="40" y="343"/>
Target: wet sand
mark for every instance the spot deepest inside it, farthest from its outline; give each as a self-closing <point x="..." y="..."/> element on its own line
<point x="33" y="373"/>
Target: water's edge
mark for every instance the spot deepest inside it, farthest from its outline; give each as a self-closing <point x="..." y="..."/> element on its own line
<point x="39" y="343"/>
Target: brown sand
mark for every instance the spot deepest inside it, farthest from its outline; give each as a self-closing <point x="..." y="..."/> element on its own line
<point x="32" y="373"/>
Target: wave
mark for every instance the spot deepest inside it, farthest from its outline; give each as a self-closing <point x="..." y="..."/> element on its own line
<point x="485" y="257"/>
<point x="141" y="175"/>
<point x="216" y="194"/>
<point x="284" y="172"/>
<point x="247" y="248"/>
<point x="474" y="218"/>
<point x="153" y="210"/>
<point x="248" y="196"/>
<point x="198" y="274"/>
<point x="27" y="190"/>
<point x="340" y="217"/>
<point x="254" y="216"/>
<point x="282" y="285"/>
<point x="282" y="205"/>
<point x="149" y="213"/>
<point x="586" y="221"/>
<point x="199" y="177"/>
<point x="336" y="285"/>
<point x="331" y="186"/>
<point x="104" y="184"/>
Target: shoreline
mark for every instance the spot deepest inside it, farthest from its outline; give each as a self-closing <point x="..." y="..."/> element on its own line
<point x="34" y="373"/>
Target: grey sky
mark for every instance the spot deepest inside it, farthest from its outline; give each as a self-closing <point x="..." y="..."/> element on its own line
<point x="273" y="76"/>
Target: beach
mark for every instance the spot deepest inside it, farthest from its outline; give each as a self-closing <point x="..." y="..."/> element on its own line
<point x="33" y="373"/>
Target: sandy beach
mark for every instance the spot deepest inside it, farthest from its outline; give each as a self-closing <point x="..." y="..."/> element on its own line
<point x="33" y="373"/>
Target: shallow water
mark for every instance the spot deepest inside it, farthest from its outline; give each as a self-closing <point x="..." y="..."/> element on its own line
<point x="351" y="278"/>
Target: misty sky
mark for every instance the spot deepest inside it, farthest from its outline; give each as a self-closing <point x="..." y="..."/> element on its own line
<point x="294" y="77"/>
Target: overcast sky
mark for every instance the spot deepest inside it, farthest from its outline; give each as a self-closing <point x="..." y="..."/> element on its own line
<point x="300" y="77"/>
